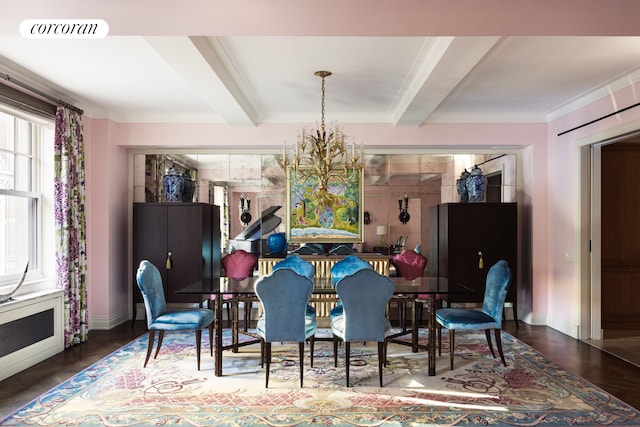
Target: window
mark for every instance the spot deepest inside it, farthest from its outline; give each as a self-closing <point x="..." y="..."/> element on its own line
<point x="22" y="197"/>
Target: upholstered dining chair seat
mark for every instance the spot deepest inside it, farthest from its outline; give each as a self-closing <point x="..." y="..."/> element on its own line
<point x="454" y="318"/>
<point x="160" y="319"/>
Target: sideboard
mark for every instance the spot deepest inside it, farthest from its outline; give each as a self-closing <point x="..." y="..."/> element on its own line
<point x="323" y="264"/>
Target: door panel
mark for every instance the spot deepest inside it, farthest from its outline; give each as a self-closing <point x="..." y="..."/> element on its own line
<point x="620" y="262"/>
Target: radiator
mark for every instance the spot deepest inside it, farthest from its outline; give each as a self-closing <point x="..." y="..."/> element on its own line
<point x="31" y="330"/>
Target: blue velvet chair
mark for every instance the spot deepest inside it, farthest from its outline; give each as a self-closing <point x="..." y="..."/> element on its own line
<point x="300" y="266"/>
<point x="364" y="295"/>
<point x="284" y="295"/>
<point x="160" y="319"/>
<point x="498" y="282"/>
<point x="349" y="265"/>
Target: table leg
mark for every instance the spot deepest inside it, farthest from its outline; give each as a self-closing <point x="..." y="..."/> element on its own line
<point x="414" y="324"/>
<point x="218" y="336"/>
<point x="234" y="324"/>
<point x="432" y="335"/>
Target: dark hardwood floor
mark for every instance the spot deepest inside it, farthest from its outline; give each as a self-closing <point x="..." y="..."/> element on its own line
<point x="608" y="372"/>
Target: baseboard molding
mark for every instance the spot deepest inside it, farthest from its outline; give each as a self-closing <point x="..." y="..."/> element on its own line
<point x="104" y="323"/>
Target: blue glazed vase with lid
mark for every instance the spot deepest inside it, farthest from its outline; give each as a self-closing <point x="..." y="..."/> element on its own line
<point x="277" y="243"/>
<point x="173" y="184"/>
<point x="461" y="185"/>
<point x="476" y="185"/>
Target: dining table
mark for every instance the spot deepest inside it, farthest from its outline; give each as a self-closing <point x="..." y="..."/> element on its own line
<point x="243" y="289"/>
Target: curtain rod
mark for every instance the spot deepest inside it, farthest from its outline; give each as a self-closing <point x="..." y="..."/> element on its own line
<point x="40" y="93"/>
<point x="600" y="118"/>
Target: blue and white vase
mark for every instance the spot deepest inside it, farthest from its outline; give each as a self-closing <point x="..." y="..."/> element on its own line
<point x="461" y="185"/>
<point x="173" y="185"/>
<point x="189" y="187"/>
<point x="277" y="243"/>
<point x="476" y="185"/>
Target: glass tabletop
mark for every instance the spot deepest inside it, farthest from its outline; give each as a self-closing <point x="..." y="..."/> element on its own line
<point x="421" y="285"/>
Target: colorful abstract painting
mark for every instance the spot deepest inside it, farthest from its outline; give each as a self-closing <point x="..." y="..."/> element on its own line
<point x="334" y="218"/>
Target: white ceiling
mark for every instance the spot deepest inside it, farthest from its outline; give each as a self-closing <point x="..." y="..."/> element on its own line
<point x="248" y="80"/>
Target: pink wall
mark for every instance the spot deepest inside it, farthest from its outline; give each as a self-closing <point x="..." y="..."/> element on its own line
<point x="107" y="222"/>
<point x="565" y="195"/>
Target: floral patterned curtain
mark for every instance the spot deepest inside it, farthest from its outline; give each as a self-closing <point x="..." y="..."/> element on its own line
<point x="71" y="253"/>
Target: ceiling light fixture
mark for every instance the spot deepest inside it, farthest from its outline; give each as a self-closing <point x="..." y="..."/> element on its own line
<point x="322" y="154"/>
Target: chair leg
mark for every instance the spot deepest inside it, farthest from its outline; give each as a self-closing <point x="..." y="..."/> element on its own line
<point x="198" y="343"/>
<point x="452" y="339"/>
<point x="439" y="339"/>
<point x="311" y="345"/>
<point x="347" y="350"/>
<point x="160" y="338"/>
<point x="152" y="334"/>
<point x="262" y="345"/>
<point x="211" y="338"/>
<point x="381" y="357"/>
<point x="301" y="353"/>
<point x="499" y="344"/>
<point x="267" y="356"/>
<point x="335" y="351"/>
<point x="228" y="304"/>
<point x="487" y="332"/>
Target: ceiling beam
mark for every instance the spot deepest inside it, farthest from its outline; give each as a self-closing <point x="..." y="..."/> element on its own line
<point x="197" y="62"/>
<point x="446" y="62"/>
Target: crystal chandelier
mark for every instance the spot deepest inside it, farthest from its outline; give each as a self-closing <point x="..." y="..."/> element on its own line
<point x="322" y="154"/>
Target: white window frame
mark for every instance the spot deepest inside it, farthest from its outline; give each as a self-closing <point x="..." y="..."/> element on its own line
<point x="42" y="250"/>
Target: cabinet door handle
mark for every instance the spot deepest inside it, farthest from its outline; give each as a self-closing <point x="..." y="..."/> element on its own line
<point x="168" y="263"/>
<point x="480" y="261"/>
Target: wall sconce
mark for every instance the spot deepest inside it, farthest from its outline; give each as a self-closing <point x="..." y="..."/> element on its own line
<point x="381" y="231"/>
<point x="404" y="214"/>
<point x="245" y="215"/>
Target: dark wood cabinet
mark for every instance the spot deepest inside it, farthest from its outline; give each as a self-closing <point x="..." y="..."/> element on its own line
<point x="466" y="239"/>
<point x="182" y="236"/>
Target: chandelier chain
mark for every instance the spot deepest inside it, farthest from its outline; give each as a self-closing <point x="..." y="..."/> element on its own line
<point x="322" y="107"/>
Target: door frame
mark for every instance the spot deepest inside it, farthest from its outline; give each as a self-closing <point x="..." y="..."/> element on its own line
<point x="590" y="171"/>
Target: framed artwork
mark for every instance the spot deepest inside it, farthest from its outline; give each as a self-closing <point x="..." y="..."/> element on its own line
<point x="336" y="218"/>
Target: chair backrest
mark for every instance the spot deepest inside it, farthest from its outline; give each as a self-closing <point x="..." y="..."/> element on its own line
<point x="365" y="295"/>
<point x="309" y="249"/>
<point x="297" y="264"/>
<point x="284" y="295"/>
<point x="150" y="284"/>
<point x="349" y="265"/>
<point x="410" y="264"/>
<point x="498" y="281"/>
<point x="341" y="250"/>
<point x="239" y="264"/>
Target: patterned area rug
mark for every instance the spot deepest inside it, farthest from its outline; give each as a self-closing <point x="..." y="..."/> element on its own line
<point x="530" y="391"/>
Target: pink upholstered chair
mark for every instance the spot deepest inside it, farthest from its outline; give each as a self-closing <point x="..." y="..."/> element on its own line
<point x="239" y="265"/>
<point x="409" y="265"/>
